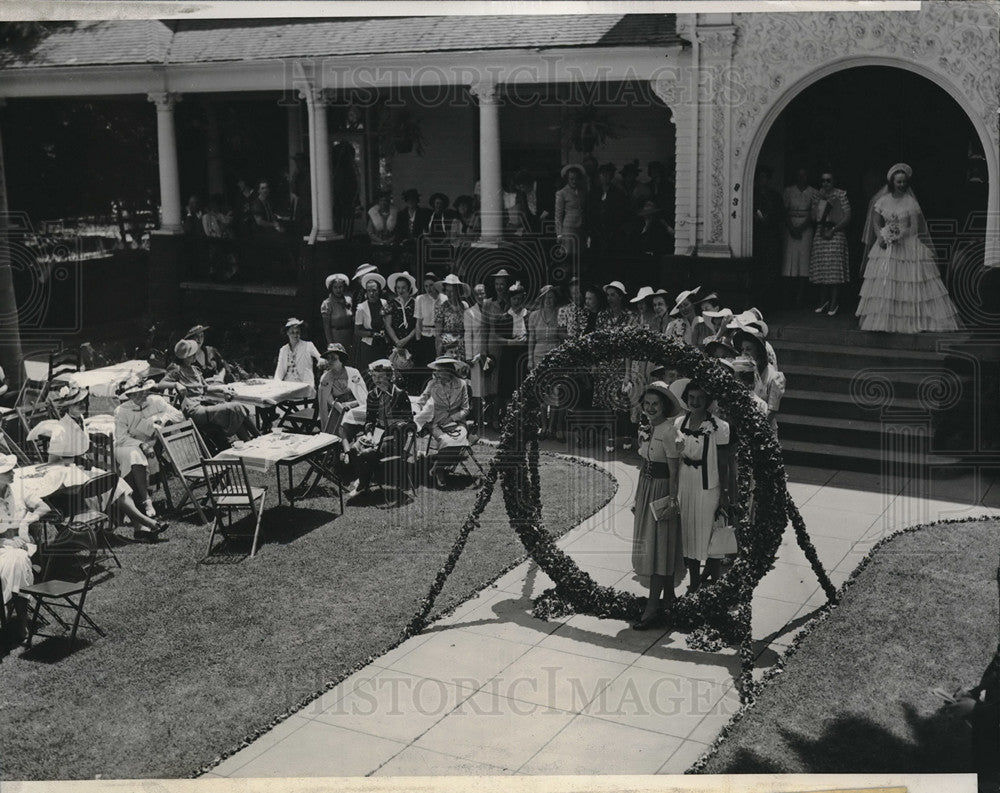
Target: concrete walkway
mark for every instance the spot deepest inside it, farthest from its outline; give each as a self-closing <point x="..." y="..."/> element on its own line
<point x="490" y="690"/>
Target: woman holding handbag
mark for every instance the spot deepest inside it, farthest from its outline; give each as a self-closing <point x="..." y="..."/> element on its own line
<point x="656" y="543"/>
<point x="701" y="456"/>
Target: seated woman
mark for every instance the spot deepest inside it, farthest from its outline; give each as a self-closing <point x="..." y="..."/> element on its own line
<point x="448" y="434"/>
<point x="208" y="359"/>
<point x="69" y="445"/>
<point x="388" y="413"/>
<point x="341" y="389"/>
<point x="295" y="359"/>
<point x="15" y="545"/>
<point x="203" y="402"/>
<point x="136" y="420"/>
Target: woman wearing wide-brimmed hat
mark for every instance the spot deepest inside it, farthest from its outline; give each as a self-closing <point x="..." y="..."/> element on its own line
<point x="136" y="420"/>
<point x="449" y="317"/>
<point x="337" y="311"/>
<point x="655" y="318"/>
<point x="369" y="326"/>
<point x="570" y="211"/>
<point x="401" y="321"/>
<point x="701" y="458"/>
<point x="482" y="375"/>
<point x="688" y="327"/>
<point x="446" y="426"/>
<point x="657" y="552"/>
<point x="341" y="388"/>
<point x="611" y="383"/>
<point x="769" y="383"/>
<point x="208" y="359"/>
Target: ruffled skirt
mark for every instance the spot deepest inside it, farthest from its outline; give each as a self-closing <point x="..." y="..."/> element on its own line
<point x="903" y="292"/>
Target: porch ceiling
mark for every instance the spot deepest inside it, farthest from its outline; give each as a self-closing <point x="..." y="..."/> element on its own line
<point x="111" y="43"/>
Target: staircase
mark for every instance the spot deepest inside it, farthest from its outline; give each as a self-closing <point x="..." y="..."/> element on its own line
<point x="858" y="401"/>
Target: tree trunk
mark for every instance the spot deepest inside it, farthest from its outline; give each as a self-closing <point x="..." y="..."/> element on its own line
<point x="10" y="334"/>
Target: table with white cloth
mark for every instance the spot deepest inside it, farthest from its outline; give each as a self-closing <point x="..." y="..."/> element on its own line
<point x="103" y="382"/>
<point x="264" y="393"/>
<point x="277" y="449"/>
<point x="39" y="481"/>
<point x="267" y="393"/>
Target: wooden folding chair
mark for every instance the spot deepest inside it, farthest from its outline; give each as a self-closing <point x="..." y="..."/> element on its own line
<point x="183" y="450"/>
<point x="229" y="489"/>
<point x="8" y="446"/>
<point x="86" y="506"/>
<point x="63" y="363"/>
<point x="394" y="466"/>
<point x="76" y="550"/>
<point x="32" y="415"/>
<point x="299" y="415"/>
<point x="35" y="380"/>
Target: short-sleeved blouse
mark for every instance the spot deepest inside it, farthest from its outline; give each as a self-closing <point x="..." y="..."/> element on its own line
<point x="661" y="438"/>
<point x="714" y="432"/>
<point x="402" y="318"/>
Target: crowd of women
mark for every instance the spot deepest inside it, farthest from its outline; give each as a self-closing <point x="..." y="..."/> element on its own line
<point x="902" y="290"/>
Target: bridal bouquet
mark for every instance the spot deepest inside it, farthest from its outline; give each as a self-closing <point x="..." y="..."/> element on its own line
<point x="890" y="232"/>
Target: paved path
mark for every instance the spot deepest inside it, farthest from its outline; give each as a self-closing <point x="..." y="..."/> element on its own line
<point x="490" y="690"/>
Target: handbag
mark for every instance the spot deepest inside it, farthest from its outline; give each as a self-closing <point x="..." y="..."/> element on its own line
<point x="664" y="508"/>
<point x="723" y="539"/>
<point x="400" y="359"/>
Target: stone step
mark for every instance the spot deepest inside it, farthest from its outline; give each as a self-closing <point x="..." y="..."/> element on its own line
<point x="859" y="458"/>
<point x="804" y="402"/>
<point x="851" y="337"/>
<point x="841" y="431"/>
<point x="856" y="358"/>
<point x="904" y="382"/>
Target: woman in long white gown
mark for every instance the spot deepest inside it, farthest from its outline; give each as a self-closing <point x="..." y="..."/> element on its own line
<point x="902" y="290"/>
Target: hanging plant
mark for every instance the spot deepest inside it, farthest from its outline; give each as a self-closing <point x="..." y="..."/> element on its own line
<point x="399" y="132"/>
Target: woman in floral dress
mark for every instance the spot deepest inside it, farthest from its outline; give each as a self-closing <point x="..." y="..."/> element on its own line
<point x="449" y="318"/>
<point x="828" y="261"/>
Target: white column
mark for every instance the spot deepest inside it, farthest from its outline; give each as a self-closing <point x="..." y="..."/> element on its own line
<point x="322" y="187"/>
<point x="170" y="183"/>
<point x="490" y="186"/>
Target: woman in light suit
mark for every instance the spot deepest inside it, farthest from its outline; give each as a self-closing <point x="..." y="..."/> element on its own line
<point x="571" y="200"/>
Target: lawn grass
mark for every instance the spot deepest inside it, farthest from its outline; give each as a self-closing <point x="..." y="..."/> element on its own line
<point x="856" y="695"/>
<point x="199" y="655"/>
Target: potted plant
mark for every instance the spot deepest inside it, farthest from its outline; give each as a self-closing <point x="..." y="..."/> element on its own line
<point x="399" y="132"/>
<point x="587" y="128"/>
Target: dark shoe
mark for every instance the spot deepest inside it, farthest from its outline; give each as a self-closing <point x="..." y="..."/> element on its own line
<point x="161" y="526"/>
<point x="146" y="536"/>
<point x="657" y="620"/>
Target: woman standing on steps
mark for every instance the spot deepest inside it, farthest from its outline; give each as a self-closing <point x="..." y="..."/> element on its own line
<point x="829" y="266"/>
<point x="656" y="544"/>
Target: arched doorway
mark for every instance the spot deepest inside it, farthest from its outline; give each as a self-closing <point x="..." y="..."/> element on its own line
<point x="858" y="121"/>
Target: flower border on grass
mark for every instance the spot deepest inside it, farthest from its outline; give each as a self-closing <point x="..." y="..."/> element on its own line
<point x="823" y="613"/>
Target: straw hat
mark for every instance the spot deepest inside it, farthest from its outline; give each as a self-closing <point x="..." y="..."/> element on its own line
<point x="677" y="388"/>
<point x="8" y="462"/>
<point x="446" y="364"/>
<point x="501" y="273"/>
<point x="337" y="277"/>
<point x="393" y="279"/>
<point x="370" y="276"/>
<point x="674" y="406"/>
<point x="745" y="334"/>
<point x="137" y="388"/>
<point x="363" y="270"/>
<point x="687" y="294"/>
<point x="185" y="348"/>
<point x="336" y="349"/>
<point x="71" y="394"/>
<point x="68" y="440"/>
<point x="453" y="280"/>
<point x="545" y="290"/>
<point x="380" y="365"/>
<point x="712" y="346"/>
<point x="294" y="322"/>
<point x="642" y="294"/>
<point x="616" y="285"/>
<point x="196" y="330"/>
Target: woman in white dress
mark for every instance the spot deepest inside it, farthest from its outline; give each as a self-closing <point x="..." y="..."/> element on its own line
<point x="798" y="200"/>
<point x="136" y="420"/>
<point x="702" y="454"/>
<point x="482" y="375"/>
<point x="902" y="290"/>
<point x="295" y="359"/>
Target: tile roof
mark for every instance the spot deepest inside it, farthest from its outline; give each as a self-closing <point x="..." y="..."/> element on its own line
<point x="151" y="41"/>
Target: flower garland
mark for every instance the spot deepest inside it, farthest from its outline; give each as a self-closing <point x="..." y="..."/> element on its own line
<point x="716" y="615"/>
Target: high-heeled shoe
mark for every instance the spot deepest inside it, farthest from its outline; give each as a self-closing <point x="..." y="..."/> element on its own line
<point x="657" y="620"/>
<point x="822" y="308"/>
<point x="833" y="311"/>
